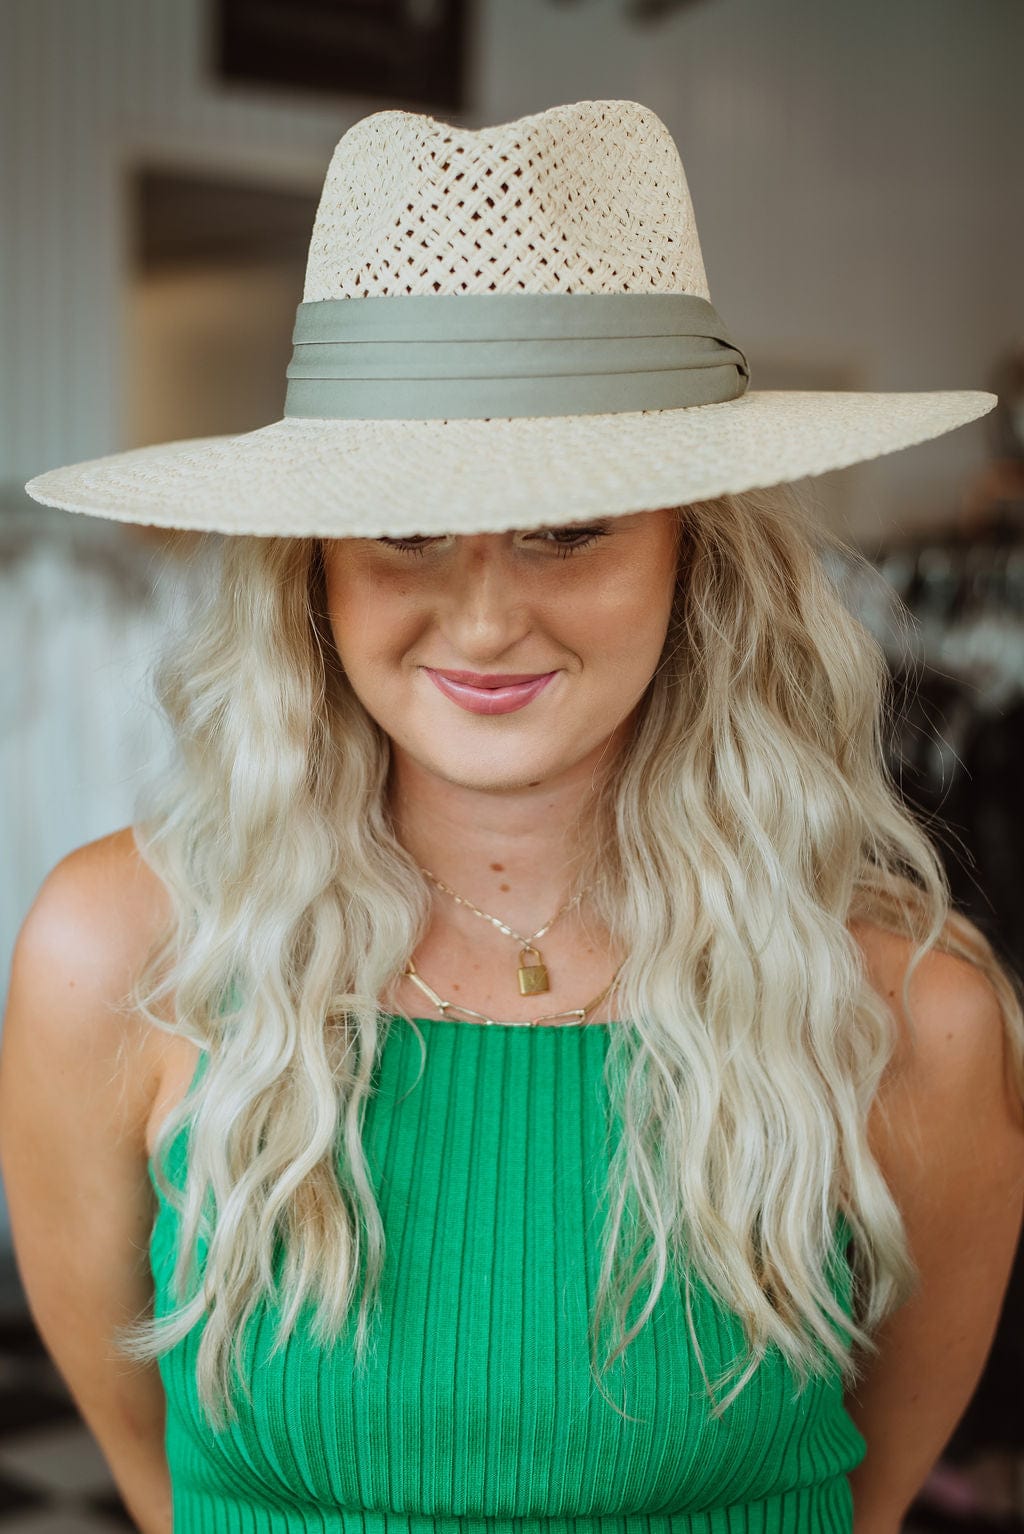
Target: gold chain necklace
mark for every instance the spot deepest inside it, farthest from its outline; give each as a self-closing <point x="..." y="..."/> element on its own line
<point x="579" y="1013"/>
<point x="533" y="977"/>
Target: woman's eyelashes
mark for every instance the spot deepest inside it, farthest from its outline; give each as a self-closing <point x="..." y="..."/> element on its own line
<point x="566" y="540"/>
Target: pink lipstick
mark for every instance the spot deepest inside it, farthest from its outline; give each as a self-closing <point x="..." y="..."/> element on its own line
<point x="498" y="693"/>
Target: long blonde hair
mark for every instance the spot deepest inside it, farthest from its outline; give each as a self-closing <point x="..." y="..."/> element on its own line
<point x="751" y="819"/>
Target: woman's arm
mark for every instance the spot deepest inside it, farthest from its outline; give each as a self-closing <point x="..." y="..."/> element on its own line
<point x="72" y="1146"/>
<point x="949" y="1136"/>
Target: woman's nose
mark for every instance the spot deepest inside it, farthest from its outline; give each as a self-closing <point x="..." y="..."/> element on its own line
<point x="486" y="593"/>
<point x="484" y="562"/>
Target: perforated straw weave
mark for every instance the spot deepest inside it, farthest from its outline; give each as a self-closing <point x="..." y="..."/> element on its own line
<point x="589" y="198"/>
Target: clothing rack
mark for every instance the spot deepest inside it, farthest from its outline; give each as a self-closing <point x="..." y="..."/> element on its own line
<point x="964" y="592"/>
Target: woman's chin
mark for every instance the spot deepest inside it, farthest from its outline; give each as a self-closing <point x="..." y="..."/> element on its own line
<point x="497" y="771"/>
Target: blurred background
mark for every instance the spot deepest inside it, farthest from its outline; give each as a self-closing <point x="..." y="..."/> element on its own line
<point x="856" y="173"/>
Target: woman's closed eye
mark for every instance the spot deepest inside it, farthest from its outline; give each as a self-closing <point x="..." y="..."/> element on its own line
<point x="564" y="540"/>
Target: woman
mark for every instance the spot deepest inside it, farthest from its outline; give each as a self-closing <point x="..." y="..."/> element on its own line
<point x="516" y="701"/>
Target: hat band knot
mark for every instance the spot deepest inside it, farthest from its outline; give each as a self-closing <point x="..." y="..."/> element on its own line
<point x="426" y="356"/>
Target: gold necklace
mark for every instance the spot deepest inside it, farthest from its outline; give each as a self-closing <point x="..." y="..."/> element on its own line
<point x="533" y="977"/>
<point x="579" y="1013"/>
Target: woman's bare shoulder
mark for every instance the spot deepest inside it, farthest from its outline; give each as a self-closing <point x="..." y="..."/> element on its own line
<point x="79" y="947"/>
<point x="114" y="864"/>
<point x="950" y="1049"/>
<point x="98" y="910"/>
<point x="941" y="980"/>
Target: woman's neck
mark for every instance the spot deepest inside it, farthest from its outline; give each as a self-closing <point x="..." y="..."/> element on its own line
<point x="514" y="852"/>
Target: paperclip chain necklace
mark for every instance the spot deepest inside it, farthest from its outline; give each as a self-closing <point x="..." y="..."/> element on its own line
<point x="579" y="1013"/>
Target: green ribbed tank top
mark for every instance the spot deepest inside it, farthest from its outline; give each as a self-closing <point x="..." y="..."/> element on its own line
<point x="477" y="1411"/>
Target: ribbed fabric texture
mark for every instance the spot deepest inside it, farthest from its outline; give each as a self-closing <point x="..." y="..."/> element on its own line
<point x="477" y="1410"/>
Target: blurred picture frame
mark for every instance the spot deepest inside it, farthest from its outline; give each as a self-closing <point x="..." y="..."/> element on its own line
<point x="409" y="51"/>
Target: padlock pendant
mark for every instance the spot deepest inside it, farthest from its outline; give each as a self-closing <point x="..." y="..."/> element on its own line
<point x="533" y="978"/>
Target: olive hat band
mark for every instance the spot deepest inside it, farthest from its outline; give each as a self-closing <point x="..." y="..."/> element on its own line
<point x="474" y="355"/>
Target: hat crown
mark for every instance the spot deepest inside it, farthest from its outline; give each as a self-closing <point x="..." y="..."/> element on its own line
<point x="585" y="198"/>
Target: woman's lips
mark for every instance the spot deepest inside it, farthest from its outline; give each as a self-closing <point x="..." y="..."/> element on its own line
<point x="489" y="700"/>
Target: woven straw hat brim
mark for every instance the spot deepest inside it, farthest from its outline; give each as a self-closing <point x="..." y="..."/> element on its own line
<point x="305" y="477"/>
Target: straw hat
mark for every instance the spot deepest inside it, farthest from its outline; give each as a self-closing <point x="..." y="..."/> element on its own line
<point x="502" y="327"/>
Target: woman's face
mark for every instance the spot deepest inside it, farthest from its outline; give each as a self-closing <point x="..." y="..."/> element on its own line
<point x="586" y="605"/>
